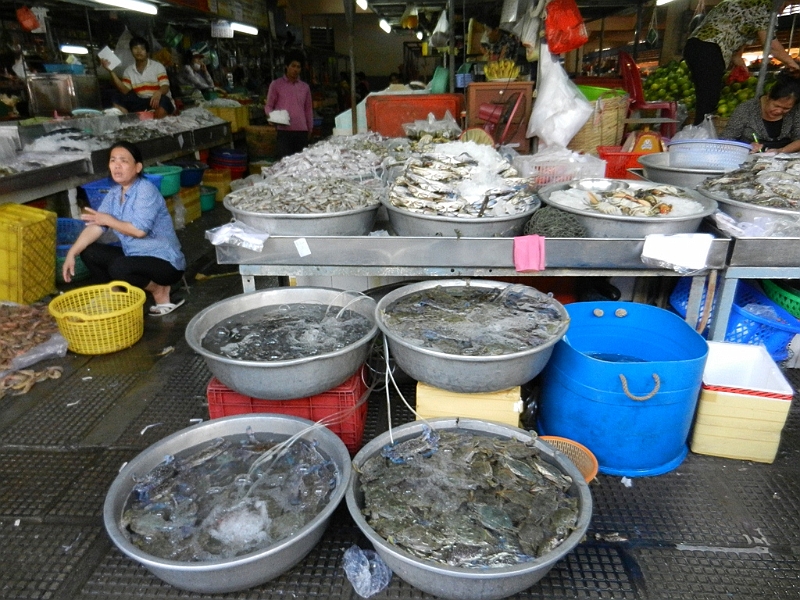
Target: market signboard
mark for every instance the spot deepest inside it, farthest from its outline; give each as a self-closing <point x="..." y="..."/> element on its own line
<point x="248" y="12"/>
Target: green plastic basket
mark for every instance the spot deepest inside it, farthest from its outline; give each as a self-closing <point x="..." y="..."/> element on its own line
<point x="783" y="295"/>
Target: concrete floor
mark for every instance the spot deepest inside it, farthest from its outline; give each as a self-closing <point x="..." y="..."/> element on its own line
<point x="713" y="528"/>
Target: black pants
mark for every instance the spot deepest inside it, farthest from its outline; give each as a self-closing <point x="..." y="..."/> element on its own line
<point x="132" y="102"/>
<point x="290" y="142"/>
<point x="109" y="263"/>
<point x="707" y="67"/>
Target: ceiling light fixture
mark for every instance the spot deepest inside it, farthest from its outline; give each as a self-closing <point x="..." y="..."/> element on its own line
<point x="131" y="5"/>
<point x="244" y="29"/>
<point x="384" y="24"/>
<point x="362" y="4"/>
<point x="420" y="35"/>
<point x="70" y="49"/>
<point x="662" y="2"/>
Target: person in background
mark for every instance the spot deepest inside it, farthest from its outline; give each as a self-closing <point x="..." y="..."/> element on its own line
<point x="343" y="91"/>
<point x="362" y="86"/>
<point x="771" y="122"/>
<point x="195" y="71"/>
<point x="497" y="44"/>
<point x="294" y="96"/>
<point x="144" y="84"/>
<point x="150" y="256"/>
<point x="717" y="42"/>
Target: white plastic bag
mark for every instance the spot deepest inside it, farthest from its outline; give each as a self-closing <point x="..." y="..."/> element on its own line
<point x="440" y="38"/>
<point x="123" y="51"/>
<point x="560" y="109"/>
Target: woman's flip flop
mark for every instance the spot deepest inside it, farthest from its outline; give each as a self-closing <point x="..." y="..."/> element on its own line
<point x="159" y="310"/>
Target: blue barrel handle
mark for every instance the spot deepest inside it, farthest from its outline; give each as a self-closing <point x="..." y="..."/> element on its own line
<point x="625" y="389"/>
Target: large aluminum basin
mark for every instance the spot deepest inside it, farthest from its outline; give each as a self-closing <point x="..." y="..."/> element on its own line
<point x="463" y="583"/>
<point x="465" y="374"/>
<point x="244" y="571"/>
<point x="656" y="167"/>
<point x="623" y="226"/>
<point x="285" y="379"/>
<point x="411" y="224"/>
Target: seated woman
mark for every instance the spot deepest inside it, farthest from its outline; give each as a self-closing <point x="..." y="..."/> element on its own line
<point x="195" y="72"/>
<point x="150" y="257"/>
<point x="771" y="122"/>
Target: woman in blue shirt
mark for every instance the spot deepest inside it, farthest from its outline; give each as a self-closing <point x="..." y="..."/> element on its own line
<point x="150" y="256"/>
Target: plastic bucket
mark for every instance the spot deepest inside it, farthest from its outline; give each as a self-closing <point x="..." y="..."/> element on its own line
<point x="170" y="179"/>
<point x="208" y="197"/>
<point x="624" y="382"/>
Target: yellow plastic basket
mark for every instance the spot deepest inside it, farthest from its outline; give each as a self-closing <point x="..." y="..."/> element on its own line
<point x="99" y="319"/>
<point x="579" y="454"/>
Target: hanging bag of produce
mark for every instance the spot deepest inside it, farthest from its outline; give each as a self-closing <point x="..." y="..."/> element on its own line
<point x="699" y="15"/>
<point x="529" y="28"/>
<point x="27" y="19"/>
<point x="651" y="39"/>
<point x="563" y="27"/>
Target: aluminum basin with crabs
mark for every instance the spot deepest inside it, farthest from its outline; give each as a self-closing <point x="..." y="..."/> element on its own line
<point x="240" y="572"/>
<point x="465" y="374"/>
<point x="459" y="583"/>
<point x="599" y="225"/>
<point x="284" y="379"/>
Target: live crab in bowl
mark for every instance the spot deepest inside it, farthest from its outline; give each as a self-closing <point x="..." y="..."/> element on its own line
<point x="471" y="335"/>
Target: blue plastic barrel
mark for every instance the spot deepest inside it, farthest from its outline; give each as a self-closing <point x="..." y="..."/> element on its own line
<point x="624" y="382"/>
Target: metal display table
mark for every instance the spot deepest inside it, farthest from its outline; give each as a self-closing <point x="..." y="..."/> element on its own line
<point x="451" y="257"/>
<point x="38" y="183"/>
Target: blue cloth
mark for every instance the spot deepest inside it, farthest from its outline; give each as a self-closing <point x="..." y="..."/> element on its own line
<point x="146" y="209"/>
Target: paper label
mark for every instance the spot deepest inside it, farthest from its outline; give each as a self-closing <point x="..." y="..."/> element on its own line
<point x="302" y="247"/>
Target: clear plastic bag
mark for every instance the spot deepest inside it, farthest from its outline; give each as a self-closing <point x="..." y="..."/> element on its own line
<point x="238" y="234"/>
<point x="446" y="127"/>
<point x="560" y="109"/>
<point x="366" y="571"/>
<point x="54" y="347"/>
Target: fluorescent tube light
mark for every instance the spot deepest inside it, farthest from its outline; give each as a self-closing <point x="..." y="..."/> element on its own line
<point x="662" y="2"/>
<point x="362" y="4"/>
<point x="69" y="49"/>
<point x="384" y="24"/>
<point x="244" y="29"/>
<point x="131" y="5"/>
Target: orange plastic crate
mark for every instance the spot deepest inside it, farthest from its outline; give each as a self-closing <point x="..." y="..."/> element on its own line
<point x="224" y="402"/>
<point x="618" y="162"/>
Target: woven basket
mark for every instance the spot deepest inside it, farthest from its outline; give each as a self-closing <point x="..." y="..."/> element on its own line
<point x="99" y="319"/>
<point x="605" y="124"/>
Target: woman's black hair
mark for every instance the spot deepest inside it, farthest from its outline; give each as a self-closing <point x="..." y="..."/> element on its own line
<point x="785" y="87"/>
<point x="132" y="148"/>
<point x="139" y="41"/>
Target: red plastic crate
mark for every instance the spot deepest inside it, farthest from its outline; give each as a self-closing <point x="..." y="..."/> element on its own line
<point x="618" y="162"/>
<point x="224" y="402"/>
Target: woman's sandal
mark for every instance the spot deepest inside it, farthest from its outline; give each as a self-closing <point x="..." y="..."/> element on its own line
<point x="159" y="310"/>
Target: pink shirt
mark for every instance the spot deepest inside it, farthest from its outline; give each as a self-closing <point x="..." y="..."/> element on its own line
<point x="294" y="97"/>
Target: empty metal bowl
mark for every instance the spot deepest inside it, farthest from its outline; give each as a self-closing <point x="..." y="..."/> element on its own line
<point x="465" y="374"/>
<point x="283" y="379"/>
<point x="248" y="570"/>
<point x="462" y="583"/>
<point x="599" y="185"/>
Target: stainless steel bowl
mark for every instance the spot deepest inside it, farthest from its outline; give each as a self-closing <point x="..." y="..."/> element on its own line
<point x="465" y="374"/>
<point x="746" y="212"/>
<point x="599" y="185"/>
<point x="248" y="570"/>
<point x="656" y="167"/>
<point x="410" y="224"/>
<point x="285" y="379"/>
<point x="462" y="583"/>
<point x="349" y="222"/>
<point x="621" y="226"/>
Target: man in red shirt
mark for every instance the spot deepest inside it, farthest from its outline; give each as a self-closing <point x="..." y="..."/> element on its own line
<point x="144" y="84"/>
<point x="294" y="96"/>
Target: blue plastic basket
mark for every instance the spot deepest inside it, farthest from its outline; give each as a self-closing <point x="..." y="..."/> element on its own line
<point x="97" y="190"/>
<point x="745" y="327"/>
<point x="67" y="231"/>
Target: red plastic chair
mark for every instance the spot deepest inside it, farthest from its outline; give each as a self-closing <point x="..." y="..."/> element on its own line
<point x="632" y="83"/>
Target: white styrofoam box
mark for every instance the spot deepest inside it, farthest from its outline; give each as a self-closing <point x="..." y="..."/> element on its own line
<point x="745" y="367"/>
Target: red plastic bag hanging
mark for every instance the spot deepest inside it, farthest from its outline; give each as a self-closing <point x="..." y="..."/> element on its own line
<point x="563" y="27"/>
<point x="27" y="19"/>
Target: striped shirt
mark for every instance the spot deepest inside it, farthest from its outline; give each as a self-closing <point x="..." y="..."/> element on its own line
<point x="149" y="81"/>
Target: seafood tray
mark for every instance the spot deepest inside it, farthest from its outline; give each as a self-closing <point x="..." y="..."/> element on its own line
<point x="34" y="178"/>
